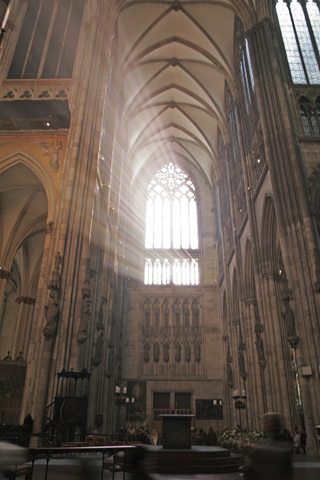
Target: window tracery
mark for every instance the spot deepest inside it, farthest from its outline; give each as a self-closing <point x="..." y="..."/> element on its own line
<point x="171" y="229"/>
<point x="310" y="115"/>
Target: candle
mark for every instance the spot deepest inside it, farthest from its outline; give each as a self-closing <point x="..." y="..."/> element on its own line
<point x="243" y="393"/>
<point x="220" y="402"/>
<point x="133" y="400"/>
<point x="214" y="402"/>
<point x="117" y="390"/>
<point x="125" y="391"/>
<point x="127" y="400"/>
<point x="237" y="393"/>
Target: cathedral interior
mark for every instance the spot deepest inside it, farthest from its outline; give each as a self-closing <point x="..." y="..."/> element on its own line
<point x="160" y="212"/>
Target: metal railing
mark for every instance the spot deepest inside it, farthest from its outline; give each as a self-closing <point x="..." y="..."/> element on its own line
<point x="60" y="453"/>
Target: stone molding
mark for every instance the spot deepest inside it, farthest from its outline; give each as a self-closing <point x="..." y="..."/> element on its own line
<point x="26" y="300"/>
<point x="4" y="274"/>
<point x="35" y="90"/>
<point x="49" y="227"/>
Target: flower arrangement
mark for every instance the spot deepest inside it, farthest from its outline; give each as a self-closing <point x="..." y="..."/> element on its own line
<point x="236" y="441"/>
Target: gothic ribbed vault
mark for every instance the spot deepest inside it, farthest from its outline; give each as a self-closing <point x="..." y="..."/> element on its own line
<point x="174" y="61"/>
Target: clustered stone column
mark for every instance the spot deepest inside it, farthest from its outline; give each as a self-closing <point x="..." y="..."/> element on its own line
<point x="296" y="233"/>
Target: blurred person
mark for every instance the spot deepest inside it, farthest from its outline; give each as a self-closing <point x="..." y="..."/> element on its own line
<point x="10" y="456"/>
<point x="212" y="437"/>
<point x="133" y="435"/>
<point x="303" y="440"/>
<point x="137" y="465"/>
<point x="154" y="437"/>
<point x="193" y="436"/>
<point x="286" y="435"/>
<point x="296" y="441"/>
<point x="146" y="436"/>
<point x="203" y="439"/>
<point x="199" y="435"/>
<point x="121" y="433"/>
<point x="270" y="460"/>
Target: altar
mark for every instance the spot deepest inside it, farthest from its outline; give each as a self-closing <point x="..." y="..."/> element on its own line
<point x="176" y="431"/>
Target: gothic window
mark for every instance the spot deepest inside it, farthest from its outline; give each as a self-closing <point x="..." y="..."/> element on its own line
<point x="48" y="40"/>
<point x="310" y="116"/>
<point x="299" y="22"/>
<point x="171" y="229"/>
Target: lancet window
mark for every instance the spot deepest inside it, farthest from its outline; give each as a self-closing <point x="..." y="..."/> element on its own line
<point x="299" y="22"/>
<point x="48" y="40"/>
<point x="171" y="229"/>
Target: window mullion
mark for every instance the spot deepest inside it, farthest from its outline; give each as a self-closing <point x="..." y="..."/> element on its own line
<point x="64" y="38"/>
<point x="313" y="40"/>
<point x="48" y="38"/>
<point x="31" y="39"/>
<point x="288" y="3"/>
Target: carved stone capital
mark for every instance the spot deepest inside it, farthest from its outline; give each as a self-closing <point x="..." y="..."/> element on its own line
<point x="293" y="341"/>
<point x="259" y="25"/>
<point x="81" y="339"/>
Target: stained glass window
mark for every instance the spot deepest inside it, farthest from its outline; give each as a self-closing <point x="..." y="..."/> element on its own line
<point x="300" y="30"/>
<point x="172" y="226"/>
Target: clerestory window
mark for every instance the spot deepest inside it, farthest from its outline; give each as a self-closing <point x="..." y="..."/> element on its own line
<point x="299" y="22"/>
<point x="171" y="229"/>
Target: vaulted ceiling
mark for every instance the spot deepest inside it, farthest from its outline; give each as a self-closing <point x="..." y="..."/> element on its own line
<point x="174" y="59"/>
<point x="23" y="215"/>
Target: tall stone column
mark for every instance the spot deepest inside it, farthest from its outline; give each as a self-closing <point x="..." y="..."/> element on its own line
<point x="257" y="391"/>
<point x="296" y="233"/>
<point x="25" y="305"/>
<point x="55" y="341"/>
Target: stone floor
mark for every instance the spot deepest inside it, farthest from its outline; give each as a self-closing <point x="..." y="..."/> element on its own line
<point x="304" y="468"/>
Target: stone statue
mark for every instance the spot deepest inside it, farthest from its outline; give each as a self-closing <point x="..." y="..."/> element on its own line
<point x="177" y="352"/>
<point x="85" y="316"/>
<point x="241" y="364"/>
<point x="260" y="349"/>
<point x="197" y="352"/>
<point x="187" y="352"/>
<point x="146" y="348"/>
<point x="99" y="347"/>
<point x="156" y="352"/>
<point x="288" y="317"/>
<point x="109" y="370"/>
<point x="229" y="375"/>
<point x="52" y="309"/>
<point x="195" y="313"/>
<point x="57" y="261"/>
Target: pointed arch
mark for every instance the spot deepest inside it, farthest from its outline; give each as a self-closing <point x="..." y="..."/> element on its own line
<point x="20" y="156"/>
<point x="270" y="241"/>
